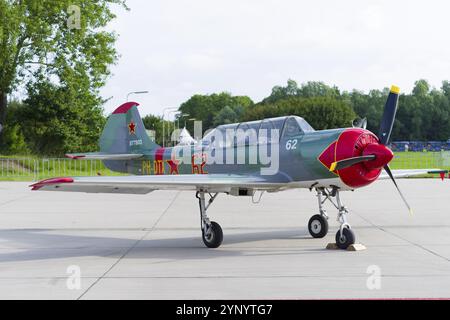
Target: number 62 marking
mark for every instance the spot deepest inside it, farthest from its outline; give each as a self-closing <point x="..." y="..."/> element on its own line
<point x="291" y="144"/>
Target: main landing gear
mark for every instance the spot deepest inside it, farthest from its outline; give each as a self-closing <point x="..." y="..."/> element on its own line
<point x="318" y="224"/>
<point x="211" y="231"/>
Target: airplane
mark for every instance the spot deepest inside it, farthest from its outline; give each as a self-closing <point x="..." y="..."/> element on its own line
<point x="327" y="161"/>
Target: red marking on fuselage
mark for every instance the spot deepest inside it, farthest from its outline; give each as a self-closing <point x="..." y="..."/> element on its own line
<point x="132" y="128"/>
<point x="327" y="157"/>
<point x="173" y="166"/>
<point x="199" y="168"/>
<point x="159" y="161"/>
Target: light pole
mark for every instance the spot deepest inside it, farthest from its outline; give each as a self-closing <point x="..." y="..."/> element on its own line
<point x="191" y="119"/>
<point x="183" y="115"/>
<point x="135" y="92"/>
<point x="164" y="125"/>
<point x="174" y="122"/>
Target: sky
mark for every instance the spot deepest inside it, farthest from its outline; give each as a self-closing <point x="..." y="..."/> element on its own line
<point x="177" y="48"/>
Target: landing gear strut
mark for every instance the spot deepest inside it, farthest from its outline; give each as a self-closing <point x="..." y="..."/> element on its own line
<point x="318" y="224"/>
<point x="211" y="231"/>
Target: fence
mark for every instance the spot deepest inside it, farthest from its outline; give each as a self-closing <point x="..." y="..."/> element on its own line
<point x="32" y="169"/>
<point x="421" y="160"/>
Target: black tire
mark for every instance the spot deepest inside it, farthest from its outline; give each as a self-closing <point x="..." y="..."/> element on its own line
<point x="318" y="226"/>
<point x="347" y="239"/>
<point x="215" y="238"/>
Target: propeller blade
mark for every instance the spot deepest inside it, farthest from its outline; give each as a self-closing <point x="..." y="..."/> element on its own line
<point x="339" y="165"/>
<point x="389" y="172"/>
<point x="387" y="121"/>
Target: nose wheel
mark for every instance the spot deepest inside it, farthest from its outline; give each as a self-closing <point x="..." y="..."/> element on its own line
<point x="318" y="226"/>
<point x="345" y="238"/>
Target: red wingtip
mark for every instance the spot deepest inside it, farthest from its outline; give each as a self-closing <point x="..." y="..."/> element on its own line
<point x="125" y="107"/>
<point x="47" y="182"/>
<point x="74" y="157"/>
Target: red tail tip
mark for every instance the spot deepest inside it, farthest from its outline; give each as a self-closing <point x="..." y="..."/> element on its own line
<point x="125" y="107"/>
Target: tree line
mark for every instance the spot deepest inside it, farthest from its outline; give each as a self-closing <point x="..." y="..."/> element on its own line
<point x="54" y="120"/>
<point x="423" y="114"/>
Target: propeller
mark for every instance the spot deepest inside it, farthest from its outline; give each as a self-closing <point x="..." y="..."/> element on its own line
<point x="339" y="165"/>
<point x="387" y="121"/>
<point x="389" y="172"/>
<point x="377" y="157"/>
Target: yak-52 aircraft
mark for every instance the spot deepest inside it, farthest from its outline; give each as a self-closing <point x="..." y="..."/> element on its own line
<point x="327" y="161"/>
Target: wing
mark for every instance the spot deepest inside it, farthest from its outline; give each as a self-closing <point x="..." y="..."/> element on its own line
<point x="412" y="173"/>
<point x="104" y="156"/>
<point x="145" y="184"/>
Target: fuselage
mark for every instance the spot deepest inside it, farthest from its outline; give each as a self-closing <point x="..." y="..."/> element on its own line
<point x="294" y="154"/>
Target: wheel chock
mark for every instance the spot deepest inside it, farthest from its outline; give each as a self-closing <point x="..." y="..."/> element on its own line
<point x="353" y="247"/>
<point x="332" y="246"/>
<point x="356" y="247"/>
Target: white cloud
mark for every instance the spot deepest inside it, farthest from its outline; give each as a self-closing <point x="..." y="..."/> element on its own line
<point x="178" y="48"/>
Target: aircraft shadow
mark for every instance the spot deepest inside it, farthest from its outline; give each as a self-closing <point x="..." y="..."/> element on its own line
<point x="34" y="245"/>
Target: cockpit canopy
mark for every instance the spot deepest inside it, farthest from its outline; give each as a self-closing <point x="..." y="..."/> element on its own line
<point x="257" y="132"/>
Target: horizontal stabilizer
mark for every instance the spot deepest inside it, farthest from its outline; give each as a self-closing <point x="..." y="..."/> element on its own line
<point x="407" y="173"/>
<point x="104" y="156"/>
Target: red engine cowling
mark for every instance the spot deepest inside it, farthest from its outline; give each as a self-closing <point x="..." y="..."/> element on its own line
<point x="356" y="142"/>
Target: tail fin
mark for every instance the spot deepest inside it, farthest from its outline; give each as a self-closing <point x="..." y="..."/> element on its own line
<point x="125" y="133"/>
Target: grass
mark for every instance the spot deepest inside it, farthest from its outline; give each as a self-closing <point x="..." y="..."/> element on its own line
<point x="30" y="168"/>
<point x="35" y="168"/>
<point x="421" y="160"/>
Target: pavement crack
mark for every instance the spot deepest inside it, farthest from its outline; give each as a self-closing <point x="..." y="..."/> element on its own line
<point x="13" y="200"/>
<point x="402" y="238"/>
<point x="130" y="248"/>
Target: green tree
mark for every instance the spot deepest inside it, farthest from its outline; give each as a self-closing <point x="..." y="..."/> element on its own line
<point x="421" y="88"/>
<point x="321" y="112"/>
<point x="61" y="40"/>
<point x="156" y="124"/>
<point x="13" y="141"/>
<point x="206" y="107"/>
<point x="225" y="116"/>
<point x="318" y="89"/>
<point x="370" y="106"/>
<point x="57" y="119"/>
<point x="307" y="90"/>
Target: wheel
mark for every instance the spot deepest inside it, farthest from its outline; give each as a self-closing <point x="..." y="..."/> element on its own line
<point x="318" y="226"/>
<point x="347" y="239"/>
<point x="213" y="238"/>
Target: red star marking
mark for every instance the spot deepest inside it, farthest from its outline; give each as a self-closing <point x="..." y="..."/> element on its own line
<point x="173" y="166"/>
<point x="132" y="128"/>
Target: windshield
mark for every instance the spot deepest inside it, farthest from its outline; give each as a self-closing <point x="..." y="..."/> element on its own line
<point x="304" y="125"/>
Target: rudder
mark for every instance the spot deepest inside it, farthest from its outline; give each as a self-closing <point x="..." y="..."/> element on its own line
<point x="125" y="133"/>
